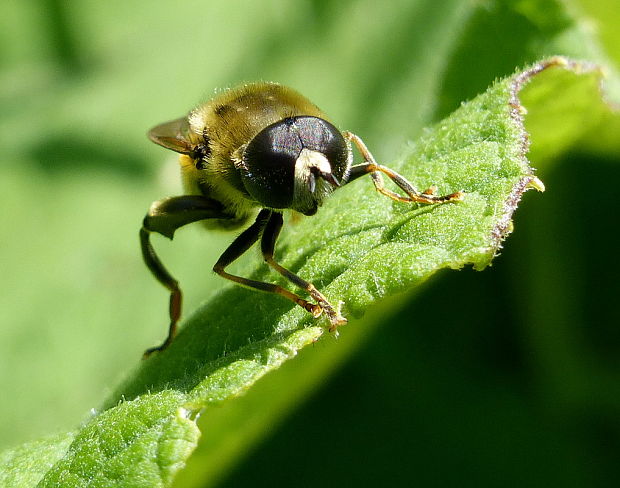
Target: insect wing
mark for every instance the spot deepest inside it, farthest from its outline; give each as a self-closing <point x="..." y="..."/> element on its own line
<point x="172" y="135"/>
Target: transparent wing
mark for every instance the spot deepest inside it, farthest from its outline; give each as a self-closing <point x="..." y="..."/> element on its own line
<point x="172" y="135"/>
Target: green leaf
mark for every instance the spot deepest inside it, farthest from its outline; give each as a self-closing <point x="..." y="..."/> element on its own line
<point x="26" y="465"/>
<point x="362" y="249"/>
<point x="139" y="444"/>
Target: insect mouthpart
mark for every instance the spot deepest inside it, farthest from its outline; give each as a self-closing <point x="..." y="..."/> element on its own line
<point x="316" y="173"/>
<point x="330" y="178"/>
<point x="313" y="181"/>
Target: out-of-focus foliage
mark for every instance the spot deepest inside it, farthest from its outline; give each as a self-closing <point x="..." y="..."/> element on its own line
<point x="514" y="368"/>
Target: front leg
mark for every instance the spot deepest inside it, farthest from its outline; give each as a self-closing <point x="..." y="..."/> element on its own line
<point x="370" y="166"/>
<point x="239" y="246"/>
<point x="165" y="217"/>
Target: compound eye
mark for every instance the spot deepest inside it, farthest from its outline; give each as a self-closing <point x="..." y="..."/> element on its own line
<point x="269" y="161"/>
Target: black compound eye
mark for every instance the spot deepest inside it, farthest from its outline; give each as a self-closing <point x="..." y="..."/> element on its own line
<point x="270" y="157"/>
<point x="270" y="164"/>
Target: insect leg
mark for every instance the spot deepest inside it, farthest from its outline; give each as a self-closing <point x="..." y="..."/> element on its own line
<point x="268" y="243"/>
<point x="239" y="246"/>
<point x="371" y="166"/>
<point x="165" y="217"/>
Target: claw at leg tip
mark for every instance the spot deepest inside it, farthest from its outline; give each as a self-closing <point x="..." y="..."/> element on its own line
<point x="317" y="311"/>
<point x="458" y="196"/>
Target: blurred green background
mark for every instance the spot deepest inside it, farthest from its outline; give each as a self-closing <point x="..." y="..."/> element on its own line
<point x="506" y="377"/>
